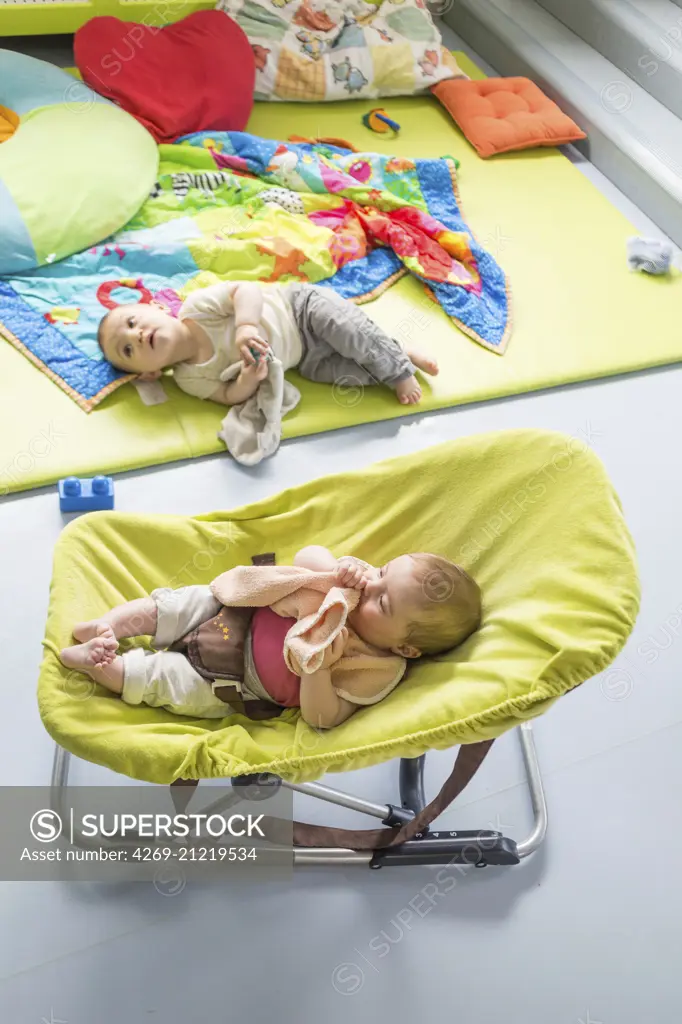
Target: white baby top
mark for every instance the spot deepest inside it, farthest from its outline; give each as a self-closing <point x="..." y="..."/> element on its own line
<point x="213" y="308"/>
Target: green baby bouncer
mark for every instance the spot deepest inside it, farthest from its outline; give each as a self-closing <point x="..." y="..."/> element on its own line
<point x="530" y="514"/>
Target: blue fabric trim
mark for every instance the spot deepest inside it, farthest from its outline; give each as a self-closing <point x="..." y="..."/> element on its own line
<point x="486" y="314"/>
<point x="255" y="148"/>
<point x="256" y="151"/>
<point x="362" y="276"/>
<point x="71" y="352"/>
<point x="17" y="253"/>
<point x="52" y="348"/>
<point x="436" y="185"/>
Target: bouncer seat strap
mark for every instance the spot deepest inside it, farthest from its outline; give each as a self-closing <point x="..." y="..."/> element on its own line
<point x="469" y="759"/>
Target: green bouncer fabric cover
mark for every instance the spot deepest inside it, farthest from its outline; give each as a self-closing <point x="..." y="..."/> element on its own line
<point x="531" y="514"/>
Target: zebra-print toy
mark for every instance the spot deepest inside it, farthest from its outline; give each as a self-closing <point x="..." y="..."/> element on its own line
<point x="207" y="181"/>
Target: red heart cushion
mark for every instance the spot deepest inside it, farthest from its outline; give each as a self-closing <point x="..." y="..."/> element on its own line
<point x="197" y="74"/>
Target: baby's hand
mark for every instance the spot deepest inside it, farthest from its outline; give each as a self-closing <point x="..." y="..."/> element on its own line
<point x="254" y="372"/>
<point x="350" y="573"/>
<point x="250" y="341"/>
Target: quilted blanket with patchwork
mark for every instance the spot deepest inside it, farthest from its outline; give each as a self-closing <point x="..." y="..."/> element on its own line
<point x="234" y="206"/>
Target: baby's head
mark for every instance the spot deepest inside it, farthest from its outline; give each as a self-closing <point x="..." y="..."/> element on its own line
<point x="141" y="338"/>
<point x="417" y="604"/>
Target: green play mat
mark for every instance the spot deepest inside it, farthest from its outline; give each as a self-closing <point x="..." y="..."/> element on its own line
<point x="579" y="313"/>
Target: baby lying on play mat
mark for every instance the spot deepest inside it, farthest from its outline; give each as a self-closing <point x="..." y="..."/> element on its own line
<point x="325" y="337"/>
<point x="325" y="635"/>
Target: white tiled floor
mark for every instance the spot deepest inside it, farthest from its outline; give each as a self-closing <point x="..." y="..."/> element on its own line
<point x="587" y="930"/>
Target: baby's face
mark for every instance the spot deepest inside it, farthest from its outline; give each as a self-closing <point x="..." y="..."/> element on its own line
<point x="388" y="604"/>
<point x="140" y="338"/>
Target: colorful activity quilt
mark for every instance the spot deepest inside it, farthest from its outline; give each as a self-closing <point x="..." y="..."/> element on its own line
<point x="232" y="206"/>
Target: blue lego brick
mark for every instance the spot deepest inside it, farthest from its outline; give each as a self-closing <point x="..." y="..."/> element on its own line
<point x="86" y="494"/>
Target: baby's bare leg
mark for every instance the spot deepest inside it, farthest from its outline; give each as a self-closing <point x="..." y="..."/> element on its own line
<point x="98" y="659"/>
<point x="134" y="618"/>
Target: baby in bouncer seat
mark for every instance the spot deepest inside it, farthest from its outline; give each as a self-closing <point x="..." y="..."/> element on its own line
<point x="327" y="635"/>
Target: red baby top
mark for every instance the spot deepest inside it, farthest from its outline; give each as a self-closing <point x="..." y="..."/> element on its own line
<point x="268" y="632"/>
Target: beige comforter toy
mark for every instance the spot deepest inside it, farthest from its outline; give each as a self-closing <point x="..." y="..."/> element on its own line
<point x="363" y="674"/>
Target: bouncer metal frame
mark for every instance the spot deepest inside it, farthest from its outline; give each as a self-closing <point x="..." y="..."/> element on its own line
<point x="480" y="848"/>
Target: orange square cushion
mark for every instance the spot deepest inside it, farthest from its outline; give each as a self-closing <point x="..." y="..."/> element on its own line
<point x="501" y="114"/>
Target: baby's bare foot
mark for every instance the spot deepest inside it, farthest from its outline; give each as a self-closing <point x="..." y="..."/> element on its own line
<point x="422" y="361"/>
<point x="95" y="653"/>
<point x="84" y="631"/>
<point x="408" y="391"/>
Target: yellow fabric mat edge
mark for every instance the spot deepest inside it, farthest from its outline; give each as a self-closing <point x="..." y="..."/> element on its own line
<point x="579" y="313"/>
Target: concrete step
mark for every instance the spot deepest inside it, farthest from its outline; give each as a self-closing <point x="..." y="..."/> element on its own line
<point x="633" y="139"/>
<point x="641" y="37"/>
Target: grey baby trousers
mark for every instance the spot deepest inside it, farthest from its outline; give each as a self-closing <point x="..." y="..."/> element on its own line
<point x="341" y="344"/>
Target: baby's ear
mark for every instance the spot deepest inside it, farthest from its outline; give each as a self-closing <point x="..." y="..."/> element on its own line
<point x="152" y="375"/>
<point x="407" y="651"/>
